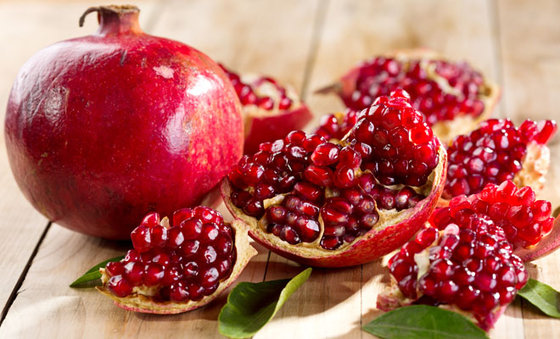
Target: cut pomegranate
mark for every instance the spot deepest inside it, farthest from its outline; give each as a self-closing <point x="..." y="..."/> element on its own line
<point x="498" y="151"/>
<point x="468" y="266"/>
<point x="270" y="110"/>
<point x="452" y="95"/>
<point x="347" y="202"/>
<point x="178" y="265"/>
<point x="524" y="219"/>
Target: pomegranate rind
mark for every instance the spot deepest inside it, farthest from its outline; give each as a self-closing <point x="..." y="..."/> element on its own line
<point x="137" y="302"/>
<point x="392" y="231"/>
<point x="445" y="130"/>
<point x="262" y="126"/>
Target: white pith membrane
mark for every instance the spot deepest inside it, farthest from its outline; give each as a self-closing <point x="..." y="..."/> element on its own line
<point x="141" y="298"/>
<point x="392" y="297"/>
<point x="535" y="165"/>
<point x="258" y="228"/>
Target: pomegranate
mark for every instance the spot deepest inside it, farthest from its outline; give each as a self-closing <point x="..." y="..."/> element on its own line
<point x="346" y="202"/>
<point x="524" y="219"/>
<point x="466" y="256"/>
<point x="469" y="268"/>
<point x="270" y="110"/>
<point x="104" y="128"/>
<point x="178" y="265"/>
<point x="498" y="151"/>
<point x="452" y="95"/>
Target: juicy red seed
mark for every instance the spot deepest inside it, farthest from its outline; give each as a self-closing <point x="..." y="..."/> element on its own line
<point x="119" y="286"/>
<point x="276" y="214"/>
<point x="134" y="273"/>
<point x="344" y="177"/>
<point x="178" y="292"/>
<point x="180" y="215"/>
<point x="171" y="276"/>
<point x="254" y="208"/>
<point x="290" y="235"/>
<point x="325" y="154"/>
<point x="190" y="270"/>
<point x="191" y="228"/>
<point x="131" y="255"/>
<point x="175" y="237"/>
<point x="369" y="220"/>
<point x="153" y="274"/>
<point x="161" y="258"/>
<point x="210" y="277"/>
<point x="210" y="232"/>
<point x="308" y="191"/>
<point x="333" y="217"/>
<point x="309" y="229"/>
<point x="151" y="220"/>
<point x="320" y="176"/>
<point x="426" y="236"/>
<point x="114" y="268"/>
<point x="331" y="243"/>
<point x="141" y="239"/>
<point x="402" y="268"/>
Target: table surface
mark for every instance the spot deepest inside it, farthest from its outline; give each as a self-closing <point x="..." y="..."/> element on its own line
<point x="305" y="43"/>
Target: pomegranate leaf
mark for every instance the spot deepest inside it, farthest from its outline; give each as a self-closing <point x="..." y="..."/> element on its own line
<point x="422" y="321"/>
<point x="89" y="278"/>
<point x="250" y="306"/>
<point x="542" y="296"/>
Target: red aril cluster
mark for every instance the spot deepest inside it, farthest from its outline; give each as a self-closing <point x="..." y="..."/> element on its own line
<point x="305" y="194"/>
<point x="398" y="147"/>
<point x="270" y="109"/>
<point x="524" y="219"/>
<point x="336" y="125"/>
<point x="183" y="261"/>
<point x="470" y="266"/>
<point x="452" y="96"/>
<point x="493" y="153"/>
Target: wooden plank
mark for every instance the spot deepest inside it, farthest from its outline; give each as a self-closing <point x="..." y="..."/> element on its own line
<point x="354" y="31"/>
<point x="530" y="46"/>
<point x="44" y="300"/>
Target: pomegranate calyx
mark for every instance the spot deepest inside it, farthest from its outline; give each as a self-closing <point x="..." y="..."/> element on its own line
<point x="114" y="19"/>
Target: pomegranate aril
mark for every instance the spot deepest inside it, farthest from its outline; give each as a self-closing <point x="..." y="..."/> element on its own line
<point x="119" y="286"/>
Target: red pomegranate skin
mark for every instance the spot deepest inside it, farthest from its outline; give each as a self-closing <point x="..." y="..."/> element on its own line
<point x="104" y="128"/>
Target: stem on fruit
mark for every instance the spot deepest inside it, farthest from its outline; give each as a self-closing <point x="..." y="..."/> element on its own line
<point x="115" y="19"/>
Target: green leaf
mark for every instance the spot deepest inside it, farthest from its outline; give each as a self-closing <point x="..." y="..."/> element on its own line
<point x="250" y="306"/>
<point x="422" y="321"/>
<point x="542" y="296"/>
<point x="89" y="279"/>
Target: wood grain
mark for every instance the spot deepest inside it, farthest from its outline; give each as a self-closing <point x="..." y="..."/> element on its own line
<point x="309" y="45"/>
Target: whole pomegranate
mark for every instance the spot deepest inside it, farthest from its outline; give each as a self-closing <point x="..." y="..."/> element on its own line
<point x="344" y="202"/>
<point x="104" y="128"/>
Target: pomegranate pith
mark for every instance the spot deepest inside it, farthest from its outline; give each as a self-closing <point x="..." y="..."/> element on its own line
<point x="328" y="203"/>
<point x="102" y="129"/>
<point x="270" y="109"/>
<point x="177" y="265"/>
<point x="452" y="95"/>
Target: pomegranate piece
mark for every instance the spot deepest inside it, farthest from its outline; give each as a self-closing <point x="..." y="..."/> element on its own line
<point x="346" y="202"/>
<point x="468" y="266"/>
<point x="498" y="151"/>
<point x="270" y="110"/>
<point x="524" y="219"/>
<point x="178" y="265"/>
<point x="452" y="95"/>
<point x="104" y="128"/>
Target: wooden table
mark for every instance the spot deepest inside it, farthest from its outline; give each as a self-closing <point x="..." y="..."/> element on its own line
<point x="308" y="44"/>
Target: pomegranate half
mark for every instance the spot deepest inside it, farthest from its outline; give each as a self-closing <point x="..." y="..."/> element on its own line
<point x="270" y="110"/>
<point x="453" y="96"/>
<point x="344" y="202"/>
<point x="104" y="128"/>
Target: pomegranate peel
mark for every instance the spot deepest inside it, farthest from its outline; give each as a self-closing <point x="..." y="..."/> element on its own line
<point x="415" y="71"/>
<point x="344" y="202"/>
<point x="104" y="128"/>
<point x="154" y="297"/>
<point x="547" y="245"/>
<point x="270" y="110"/>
